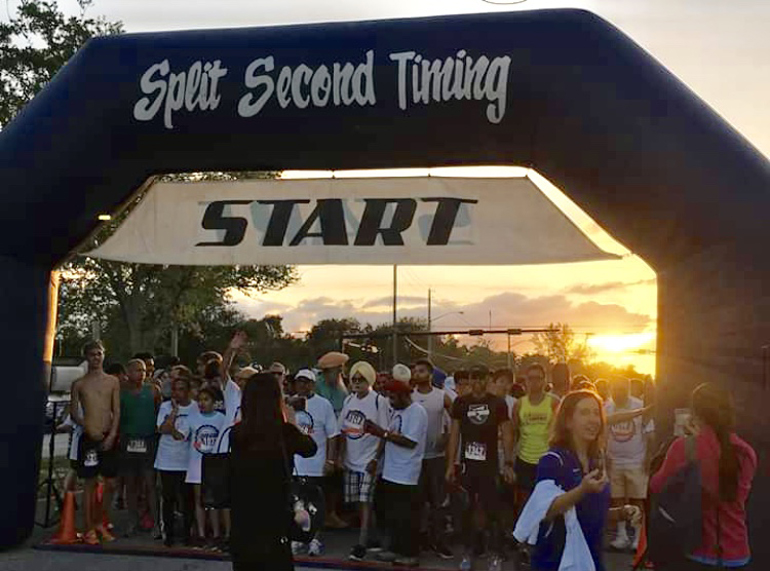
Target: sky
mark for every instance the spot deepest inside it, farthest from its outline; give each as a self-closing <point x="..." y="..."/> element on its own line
<point x="719" y="48"/>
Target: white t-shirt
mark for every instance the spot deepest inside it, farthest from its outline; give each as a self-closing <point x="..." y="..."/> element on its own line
<point x="626" y="445"/>
<point x="205" y="431"/>
<point x="361" y="448"/>
<point x="320" y="423"/>
<point x="433" y="403"/>
<point x="402" y="465"/>
<point x="173" y="455"/>
<point x="232" y="394"/>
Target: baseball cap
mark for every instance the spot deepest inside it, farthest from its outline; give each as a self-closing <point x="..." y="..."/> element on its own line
<point x="306" y="374"/>
<point x="396" y="386"/>
<point x="246" y="373"/>
<point x="402" y="373"/>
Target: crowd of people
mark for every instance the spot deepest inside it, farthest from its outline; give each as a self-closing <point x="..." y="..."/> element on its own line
<point x="417" y="460"/>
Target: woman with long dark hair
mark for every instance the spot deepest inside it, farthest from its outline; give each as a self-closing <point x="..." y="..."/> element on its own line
<point x="570" y="505"/>
<point x="263" y="447"/>
<point x="727" y="466"/>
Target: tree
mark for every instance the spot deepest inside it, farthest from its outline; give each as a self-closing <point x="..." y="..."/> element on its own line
<point x="559" y="344"/>
<point x="36" y="43"/>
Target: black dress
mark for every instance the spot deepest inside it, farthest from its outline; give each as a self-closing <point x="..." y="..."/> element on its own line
<point x="260" y="513"/>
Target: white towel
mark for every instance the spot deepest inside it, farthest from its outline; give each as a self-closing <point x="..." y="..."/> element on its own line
<point x="576" y="555"/>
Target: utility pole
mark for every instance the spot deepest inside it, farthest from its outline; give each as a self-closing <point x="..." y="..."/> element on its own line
<point x="510" y="366"/>
<point x="430" y="330"/>
<point x="175" y="341"/>
<point x="395" y="314"/>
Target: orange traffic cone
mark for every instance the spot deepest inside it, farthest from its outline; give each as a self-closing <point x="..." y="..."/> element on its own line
<point x="641" y="550"/>
<point x="99" y="493"/>
<point x="67" y="533"/>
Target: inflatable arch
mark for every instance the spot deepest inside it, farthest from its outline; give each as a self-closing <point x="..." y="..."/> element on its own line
<point x="560" y="91"/>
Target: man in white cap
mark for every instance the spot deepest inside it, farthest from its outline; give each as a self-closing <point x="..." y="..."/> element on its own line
<point x="316" y="418"/>
<point x="330" y="385"/>
<point x="359" y="449"/>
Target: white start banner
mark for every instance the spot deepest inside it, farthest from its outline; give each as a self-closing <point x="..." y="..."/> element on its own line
<point x="427" y="220"/>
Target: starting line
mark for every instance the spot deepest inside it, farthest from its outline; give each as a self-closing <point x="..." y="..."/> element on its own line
<point x="182" y="553"/>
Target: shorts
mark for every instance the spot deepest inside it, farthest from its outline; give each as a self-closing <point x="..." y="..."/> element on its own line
<point x="134" y="463"/>
<point x="359" y="487"/>
<point x="628" y="482"/>
<point x="93" y="461"/>
<point x="483" y="483"/>
<point x="526" y="475"/>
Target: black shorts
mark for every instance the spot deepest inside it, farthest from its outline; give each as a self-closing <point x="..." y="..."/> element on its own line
<point x="526" y="475"/>
<point x="133" y="463"/>
<point x="93" y="461"/>
<point x="482" y="485"/>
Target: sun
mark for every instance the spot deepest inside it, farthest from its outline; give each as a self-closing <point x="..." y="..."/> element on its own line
<point x="621" y="343"/>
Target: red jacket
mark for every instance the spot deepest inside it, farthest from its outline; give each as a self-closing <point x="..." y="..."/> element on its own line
<point x="732" y="515"/>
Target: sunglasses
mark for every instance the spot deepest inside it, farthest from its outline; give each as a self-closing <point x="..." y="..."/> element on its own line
<point x="357" y="379"/>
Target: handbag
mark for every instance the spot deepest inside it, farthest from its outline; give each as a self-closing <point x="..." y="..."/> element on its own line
<point x="215" y="477"/>
<point x="305" y="503"/>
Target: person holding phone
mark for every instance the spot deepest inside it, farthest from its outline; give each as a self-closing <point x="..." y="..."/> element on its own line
<point x="575" y="463"/>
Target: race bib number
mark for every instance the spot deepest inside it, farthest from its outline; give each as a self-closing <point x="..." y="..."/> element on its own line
<point x="92" y="459"/>
<point x="476" y="451"/>
<point x="137" y="446"/>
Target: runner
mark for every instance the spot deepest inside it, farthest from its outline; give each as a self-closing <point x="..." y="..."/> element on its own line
<point x="331" y="386"/>
<point x="118" y="371"/>
<point x="172" y="459"/>
<point x="477" y="418"/>
<point x="629" y="449"/>
<point x="205" y="430"/>
<point x="532" y="417"/>
<point x="501" y="386"/>
<point x="398" y="496"/>
<point x="432" y="481"/>
<point x="358" y="448"/>
<point x="560" y="377"/>
<point x="76" y="431"/>
<point x="316" y="418"/>
<point x="139" y="403"/>
<point x="96" y="407"/>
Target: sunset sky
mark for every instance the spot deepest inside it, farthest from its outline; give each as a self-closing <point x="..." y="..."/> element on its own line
<point x="719" y="48"/>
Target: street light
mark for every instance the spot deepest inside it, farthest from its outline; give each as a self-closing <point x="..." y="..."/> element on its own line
<point x="430" y="327"/>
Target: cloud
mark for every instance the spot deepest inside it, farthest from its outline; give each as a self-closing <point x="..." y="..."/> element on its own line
<point x="508" y="310"/>
<point x="593" y="289"/>
<point x="403" y="301"/>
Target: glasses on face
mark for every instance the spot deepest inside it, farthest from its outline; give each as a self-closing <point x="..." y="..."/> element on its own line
<point x="357" y="379"/>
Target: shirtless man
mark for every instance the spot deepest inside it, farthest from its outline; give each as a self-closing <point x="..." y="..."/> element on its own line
<point x="99" y="396"/>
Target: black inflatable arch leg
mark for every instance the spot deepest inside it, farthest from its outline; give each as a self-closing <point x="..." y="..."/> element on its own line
<point x="23" y="313"/>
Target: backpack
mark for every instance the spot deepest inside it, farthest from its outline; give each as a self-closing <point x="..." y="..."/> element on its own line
<point x="675" y="522"/>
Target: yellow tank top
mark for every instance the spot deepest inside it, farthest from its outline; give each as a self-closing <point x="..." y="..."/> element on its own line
<point x="534" y="424"/>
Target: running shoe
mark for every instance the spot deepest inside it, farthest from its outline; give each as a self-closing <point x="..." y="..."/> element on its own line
<point x="358" y="553"/>
<point x="620" y="543"/>
<point x="90" y="538"/>
<point x="315" y="548"/>
<point x="442" y="551"/>
<point x="407" y="562"/>
<point x="297" y="548"/>
<point x="386" y="556"/>
<point x="495" y="563"/>
<point x="374" y="546"/>
<point x="466" y="564"/>
<point x="131" y="531"/>
<point x="105" y="534"/>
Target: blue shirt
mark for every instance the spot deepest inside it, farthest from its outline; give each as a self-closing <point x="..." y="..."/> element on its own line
<point x="564" y="468"/>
